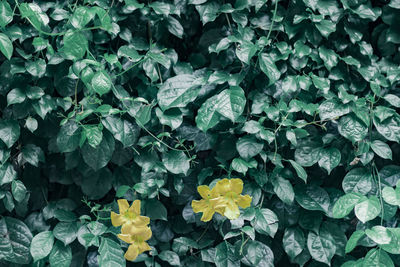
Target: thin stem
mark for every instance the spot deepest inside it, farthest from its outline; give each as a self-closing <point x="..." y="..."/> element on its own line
<point x="242" y="246"/>
<point x="276" y="131"/>
<point x="131" y="67"/>
<point x="204" y="232"/>
<point x="273" y="20"/>
<point x="231" y="31"/>
<point x="380" y="190"/>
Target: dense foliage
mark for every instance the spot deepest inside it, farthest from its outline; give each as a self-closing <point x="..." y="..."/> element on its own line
<point x="128" y="99"/>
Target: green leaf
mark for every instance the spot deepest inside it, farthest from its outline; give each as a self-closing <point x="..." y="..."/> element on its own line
<point x="7" y="173"/>
<point x="352" y="128"/>
<point x="368" y="209"/>
<point x="379" y="235"/>
<point x="96" y="184"/>
<point x="160" y="8"/>
<point x="299" y="170"/>
<point x="229" y="103"/>
<point x="312" y="197"/>
<point x="6" y="46"/>
<point x="93" y="134"/>
<point x="293" y="241"/>
<point x="36" y="68"/>
<point x="66" y="232"/>
<point x="257" y="254"/>
<point x="6" y="13"/>
<point x="172" y="117"/>
<point x="283" y="189"/>
<point x="248" y="147"/>
<point x="175" y="27"/>
<point x="155" y="210"/>
<point x="34" y="14"/>
<point x="208" y="12"/>
<point x="246" y="51"/>
<point x="15" y="241"/>
<point x="358" y="180"/>
<point x="321" y="83"/>
<point x="207" y="115"/>
<point x="101" y="82"/>
<point x="81" y="16"/>
<point x="60" y="255"/>
<point x="391" y="196"/>
<point x="394" y="100"/>
<point x="328" y="56"/>
<point x="389" y="126"/>
<point x="41" y="245"/>
<point x="123" y="130"/>
<point x="394" y="246"/>
<point x="176" y="162"/>
<point x="329" y="158"/>
<point x="159" y="58"/>
<point x="18" y="190"/>
<point x="9" y="132"/>
<point x="98" y="157"/>
<point x="345" y="204"/>
<point x="242" y="166"/>
<point x="265" y="222"/>
<point x="68" y="137"/>
<point x="171" y="257"/>
<point x="75" y="45"/>
<point x="332" y="108"/>
<point x="110" y="254"/>
<point x="178" y="91"/>
<point x="129" y="52"/>
<point x="268" y="66"/>
<point x="381" y="149"/>
<point x="321" y="246"/>
<point x="353" y="240"/>
<point x="15" y="96"/>
<point x="224" y="256"/>
<point x="33" y="154"/>
<point x="377" y="257"/>
<point x="368" y="12"/>
<point x="326" y="27"/>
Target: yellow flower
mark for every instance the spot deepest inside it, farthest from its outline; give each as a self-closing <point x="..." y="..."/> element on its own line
<point x="231" y="190"/>
<point x="136" y="237"/>
<point x="225" y="198"/>
<point x="129" y="215"/>
<point x="207" y="204"/>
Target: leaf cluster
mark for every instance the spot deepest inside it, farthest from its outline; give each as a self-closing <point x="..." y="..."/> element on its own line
<point x="108" y="99"/>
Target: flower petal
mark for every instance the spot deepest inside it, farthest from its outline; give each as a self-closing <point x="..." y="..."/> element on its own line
<point x="204" y="191"/>
<point x="199" y="205"/>
<point x="231" y="211"/>
<point x="125" y="238"/>
<point x="237" y="185"/>
<point x="123" y="205"/>
<point x="207" y="215"/>
<point x="223" y="186"/>
<point x="117" y="219"/>
<point x="142" y="221"/>
<point x="132" y="252"/>
<point x="145" y="234"/>
<point x="135" y="208"/>
<point x="143" y="246"/>
<point x="244" y="201"/>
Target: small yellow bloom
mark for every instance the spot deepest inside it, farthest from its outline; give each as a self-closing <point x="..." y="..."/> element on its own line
<point x="207" y="204"/>
<point x="225" y="199"/>
<point x="129" y="215"/>
<point x="136" y="237"/>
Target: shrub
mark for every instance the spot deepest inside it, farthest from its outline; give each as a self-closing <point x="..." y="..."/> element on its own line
<point x="105" y="100"/>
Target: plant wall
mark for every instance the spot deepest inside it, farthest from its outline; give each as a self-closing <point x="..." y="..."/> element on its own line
<point x="126" y="100"/>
